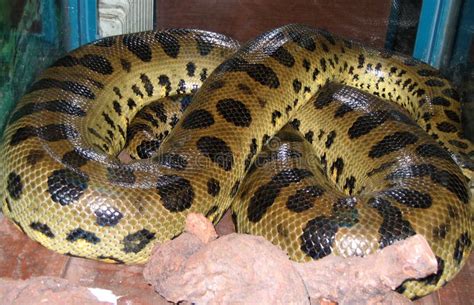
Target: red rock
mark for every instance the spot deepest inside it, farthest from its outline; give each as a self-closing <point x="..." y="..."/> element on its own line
<point x="124" y="157"/>
<point x="142" y="299"/>
<point x="123" y="280"/>
<point x="233" y="269"/>
<point x="225" y="225"/>
<point x="22" y="258"/>
<point x="46" y="290"/>
<point x="244" y="269"/>
<point x="370" y="279"/>
<point x="323" y="301"/>
<point x="169" y="258"/>
<point x="198" y="225"/>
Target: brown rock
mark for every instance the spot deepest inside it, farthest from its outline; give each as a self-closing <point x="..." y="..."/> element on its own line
<point x="142" y="299"/>
<point x="46" y="290"/>
<point x="124" y="280"/>
<point x="235" y="268"/>
<point x="323" y="301"/>
<point x="371" y="279"/>
<point x="225" y="225"/>
<point x="124" y="157"/>
<point x="244" y="269"/>
<point x="169" y="259"/>
<point x="22" y="258"/>
<point x="198" y="225"/>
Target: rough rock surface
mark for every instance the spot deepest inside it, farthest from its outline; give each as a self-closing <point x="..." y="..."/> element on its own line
<point x="199" y="226"/>
<point x="245" y="269"/>
<point x="233" y="269"/>
<point x="371" y="279"/>
<point x="46" y="290"/>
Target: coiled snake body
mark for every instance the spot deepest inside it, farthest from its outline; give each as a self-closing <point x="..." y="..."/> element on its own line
<point x="63" y="185"/>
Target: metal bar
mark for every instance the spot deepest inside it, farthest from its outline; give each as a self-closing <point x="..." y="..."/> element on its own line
<point x="72" y="15"/>
<point x="436" y="31"/>
<point x="82" y="22"/>
<point x="88" y="20"/>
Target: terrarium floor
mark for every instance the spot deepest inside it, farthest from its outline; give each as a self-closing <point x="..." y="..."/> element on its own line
<point x="21" y="258"/>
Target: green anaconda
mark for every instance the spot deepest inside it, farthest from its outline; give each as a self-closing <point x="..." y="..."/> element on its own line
<point x="63" y="185"/>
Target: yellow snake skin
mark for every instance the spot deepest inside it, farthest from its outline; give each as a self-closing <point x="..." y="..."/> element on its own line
<point x="63" y="185"/>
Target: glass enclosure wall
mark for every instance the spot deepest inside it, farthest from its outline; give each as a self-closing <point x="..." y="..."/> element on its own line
<point x="30" y="40"/>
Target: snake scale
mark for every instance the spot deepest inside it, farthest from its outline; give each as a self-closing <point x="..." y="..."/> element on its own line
<point x="63" y="185"/>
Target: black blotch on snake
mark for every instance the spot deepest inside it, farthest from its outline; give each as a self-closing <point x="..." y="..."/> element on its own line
<point x="318" y="237"/>
<point x="443" y="178"/>
<point x="81" y="234"/>
<point x="217" y="151"/>
<point x="198" y="118"/>
<point x="266" y="194"/>
<point x="106" y="42"/>
<point x="42" y="228"/>
<point x="283" y="57"/>
<point x="58" y="106"/>
<point x="213" y="187"/>
<point x="107" y="216"/>
<point x="139" y="47"/>
<point x="394" y="227"/>
<point x="66" y="186"/>
<point x="135" y="242"/>
<point x="169" y="43"/>
<point x="70" y="86"/>
<point x="235" y="112"/>
<point x="446" y="127"/>
<point x="74" y="159"/>
<point x="93" y="62"/>
<point x="14" y="185"/>
<point x="392" y="143"/>
<point x="409" y="197"/>
<point x="121" y="175"/>
<point x="34" y="157"/>
<point x="304" y="198"/>
<point x="190" y="68"/>
<point x="463" y="243"/>
<point x="176" y="192"/>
